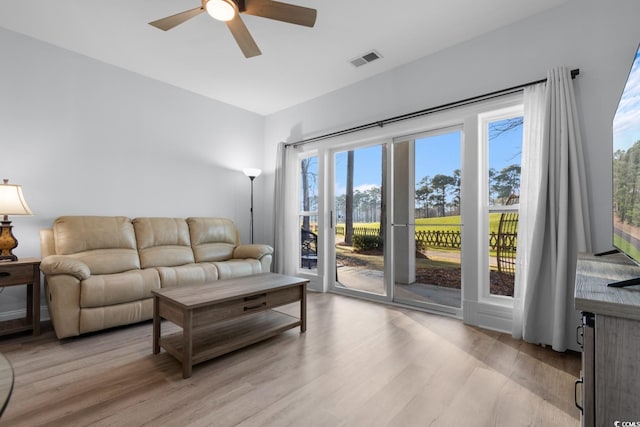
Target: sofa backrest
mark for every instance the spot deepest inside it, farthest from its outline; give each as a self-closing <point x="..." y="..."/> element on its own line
<point x="163" y="242"/>
<point x="107" y="244"/>
<point x="213" y="239"/>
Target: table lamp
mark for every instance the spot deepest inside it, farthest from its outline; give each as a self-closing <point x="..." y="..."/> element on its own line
<point x="11" y="203"/>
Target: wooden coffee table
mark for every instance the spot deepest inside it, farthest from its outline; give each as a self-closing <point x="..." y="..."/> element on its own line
<point x="225" y="315"/>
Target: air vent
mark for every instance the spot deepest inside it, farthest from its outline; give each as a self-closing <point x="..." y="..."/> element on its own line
<point x="365" y="59"/>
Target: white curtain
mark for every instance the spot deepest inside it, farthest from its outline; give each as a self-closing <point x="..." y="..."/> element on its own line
<point x="554" y="216"/>
<point x="286" y="233"/>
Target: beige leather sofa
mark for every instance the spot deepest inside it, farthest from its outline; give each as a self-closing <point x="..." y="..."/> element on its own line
<point x="100" y="270"/>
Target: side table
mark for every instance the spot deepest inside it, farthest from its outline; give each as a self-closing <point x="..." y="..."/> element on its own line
<point x="25" y="271"/>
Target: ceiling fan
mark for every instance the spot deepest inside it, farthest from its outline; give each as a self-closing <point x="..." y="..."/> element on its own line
<point x="229" y="11"/>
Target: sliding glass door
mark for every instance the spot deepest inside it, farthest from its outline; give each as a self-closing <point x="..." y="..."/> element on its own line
<point x="427" y="220"/>
<point x="359" y="220"/>
<point x="422" y="250"/>
<point x="422" y="214"/>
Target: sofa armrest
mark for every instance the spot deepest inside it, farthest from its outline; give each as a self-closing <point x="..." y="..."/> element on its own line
<point x="252" y="251"/>
<point x="60" y="264"/>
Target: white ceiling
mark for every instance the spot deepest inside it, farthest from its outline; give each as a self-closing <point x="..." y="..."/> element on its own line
<point x="297" y="63"/>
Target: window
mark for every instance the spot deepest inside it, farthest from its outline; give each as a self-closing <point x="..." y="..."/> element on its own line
<point x="308" y="213"/>
<point x="502" y="133"/>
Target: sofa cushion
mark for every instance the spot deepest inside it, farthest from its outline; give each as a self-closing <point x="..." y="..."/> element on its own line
<point x="163" y="242"/>
<point x="106" y="244"/>
<point x="185" y="275"/>
<point x="213" y="239"/>
<point x="238" y="268"/>
<point x="110" y="289"/>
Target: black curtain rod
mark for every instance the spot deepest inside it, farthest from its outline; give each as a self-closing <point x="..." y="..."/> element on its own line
<point x="382" y="123"/>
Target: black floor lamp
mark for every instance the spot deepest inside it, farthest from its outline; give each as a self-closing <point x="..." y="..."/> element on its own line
<point x="252" y="173"/>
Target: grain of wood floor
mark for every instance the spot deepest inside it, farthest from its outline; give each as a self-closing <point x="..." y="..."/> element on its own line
<point x="358" y="364"/>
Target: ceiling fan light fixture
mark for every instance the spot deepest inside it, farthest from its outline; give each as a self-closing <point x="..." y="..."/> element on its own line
<point x="222" y="10"/>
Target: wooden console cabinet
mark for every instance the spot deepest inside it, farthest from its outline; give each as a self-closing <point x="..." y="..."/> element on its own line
<point x="610" y="335"/>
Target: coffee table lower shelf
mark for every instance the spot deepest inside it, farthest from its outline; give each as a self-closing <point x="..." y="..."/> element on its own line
<point x="220" y="338"/>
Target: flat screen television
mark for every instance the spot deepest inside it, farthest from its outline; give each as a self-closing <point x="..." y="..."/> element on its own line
<point x="626" y="170"/>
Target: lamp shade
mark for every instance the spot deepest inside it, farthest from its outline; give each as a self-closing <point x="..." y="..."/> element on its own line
<point x="252" y="172"/>
<point x="12" y="201"/>
<point x="222" y="10"/>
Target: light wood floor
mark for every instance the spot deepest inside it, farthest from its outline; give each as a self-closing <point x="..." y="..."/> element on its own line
<point x="358" y="364"/>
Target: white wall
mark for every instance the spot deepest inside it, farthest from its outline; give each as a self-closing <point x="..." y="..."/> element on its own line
<point x="599" y="37"/>
<point x="87" y="138"/>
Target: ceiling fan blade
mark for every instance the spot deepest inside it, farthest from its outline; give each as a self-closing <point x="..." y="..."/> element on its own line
<point x="243" y="37"/>
<point x="284" y="12"/>
<point x="174" y="20"/>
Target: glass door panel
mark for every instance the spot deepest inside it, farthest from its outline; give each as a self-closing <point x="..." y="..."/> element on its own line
<point x="427" y="221"/>
<point x="359" y="208"/>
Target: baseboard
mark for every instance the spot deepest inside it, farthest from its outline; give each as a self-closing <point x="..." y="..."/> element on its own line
<point x="495" y="317"/>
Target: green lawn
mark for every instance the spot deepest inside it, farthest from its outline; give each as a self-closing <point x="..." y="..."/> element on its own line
<point x="452" y="223"/>
<point x="626" y="246"/>
<point x="447" y="223"/>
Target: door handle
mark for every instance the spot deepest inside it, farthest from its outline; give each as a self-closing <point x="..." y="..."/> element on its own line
<point x="575" y="394"/>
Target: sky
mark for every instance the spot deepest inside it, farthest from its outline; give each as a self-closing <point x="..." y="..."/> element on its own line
<point x="438" y="154"/>
<point x="626" y="122"/>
